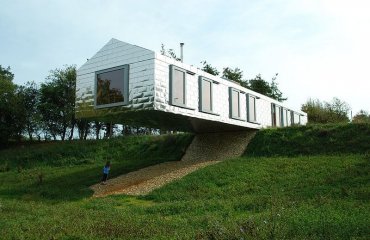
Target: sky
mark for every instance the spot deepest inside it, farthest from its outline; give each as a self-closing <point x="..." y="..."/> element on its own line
<point x="319" y="48"/>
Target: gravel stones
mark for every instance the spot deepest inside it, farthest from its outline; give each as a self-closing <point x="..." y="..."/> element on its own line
<point x="206" y="149"/>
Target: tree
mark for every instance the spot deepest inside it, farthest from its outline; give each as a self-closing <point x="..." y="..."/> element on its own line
<point x="97" y="127"/>
<point x="335" y="111"/>
<point x="361" y="117"/>
<point x="258" y="84"/>
<point x="169" y="53"/>
<point x="109" y="129"/>
<point x="339" y="108"/>
<point x="57" y="102"/>
<point x="6" y="74"/>
<point x="233" y="74"/>
<point x="83" y="126"/>
<point x="29" y="98"/>
<point x="10" y="113"/>
<point x="209" y="69"/>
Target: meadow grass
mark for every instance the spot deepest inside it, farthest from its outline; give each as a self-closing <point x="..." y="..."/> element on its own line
<point x="61" y="171"/>
<point x="264" y="195"/>
<point x="311" y="140"/>
<point x="319" y="197"/>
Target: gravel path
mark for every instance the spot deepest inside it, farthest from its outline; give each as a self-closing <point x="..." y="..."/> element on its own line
<point x="215" y="146"/>
<point x="145" y="180"/>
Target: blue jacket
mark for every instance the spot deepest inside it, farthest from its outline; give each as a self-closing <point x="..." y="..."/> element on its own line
<point x="106" y="170"/>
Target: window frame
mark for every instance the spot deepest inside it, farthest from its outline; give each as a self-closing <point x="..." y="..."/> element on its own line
<point x="200" y="86"/>
<point x="273" y="115"/>
<point x="231" y="89"/>
<point x="292" y="118"/>
<point x="277" y="115"/>
<point x="248" y="96"/>
<point x="282" y="117"/>
<point x="126" y="70"/>
<point x="298" y="116"/>
<point x="172" y="70"/>
<point x="287" y="120"/>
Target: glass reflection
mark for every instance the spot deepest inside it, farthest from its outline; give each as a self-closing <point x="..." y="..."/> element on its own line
<point x="110" y="86"/>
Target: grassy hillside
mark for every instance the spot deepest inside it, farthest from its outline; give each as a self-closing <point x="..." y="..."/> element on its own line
<point x="311" y="140"/>
<point x="157" y="148"/>
<point x="252" y="198"/>
<point x="324" y="197"/>
<point x="280" y="197"/>
<point x="64" y="170"/>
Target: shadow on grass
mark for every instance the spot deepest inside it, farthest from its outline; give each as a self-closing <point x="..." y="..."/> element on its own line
<point x="66" y="187"/>
<point x="71" y="185"/>
<point x="64" y="171"/>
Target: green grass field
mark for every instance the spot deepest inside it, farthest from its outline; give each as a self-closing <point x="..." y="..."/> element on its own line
<point x="317" y="139"/>
<point x="280" y="197"/>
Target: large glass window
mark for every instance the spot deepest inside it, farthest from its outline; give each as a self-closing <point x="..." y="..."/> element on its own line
<point x="287" y="117"/>
<point x="112" y="87"/>
<point x="273" y="115"/>
<point x="277" y="115"/>
<point x="206" y="95"/>
<point x="234" y="103"/>
<point x="177" y="86"/>
<point x="292" y="118"/>
<point x="282" y="122"/>
<point x="296" y="118"/>
<point x="299" y="119"/>
<point x="251" y="108"/>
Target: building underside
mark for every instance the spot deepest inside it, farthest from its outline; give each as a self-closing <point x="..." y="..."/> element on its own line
<point x="168" y="121"/>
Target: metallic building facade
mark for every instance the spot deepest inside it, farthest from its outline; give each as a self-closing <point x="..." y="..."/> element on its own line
<point x="149" y="91"/>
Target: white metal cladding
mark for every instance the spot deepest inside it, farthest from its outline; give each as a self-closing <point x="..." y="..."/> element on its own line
<point x="116" y="53"/>
<point x="149" y="88"/>
<point x="220" y="97"/>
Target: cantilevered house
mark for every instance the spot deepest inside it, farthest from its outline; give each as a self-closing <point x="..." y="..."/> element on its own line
<point x="125" y="83"/>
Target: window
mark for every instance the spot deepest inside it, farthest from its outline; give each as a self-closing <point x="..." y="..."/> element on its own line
<point x="277" y="115"/>
<point x="206" y="95"/>
<point x="296" y="118"/>
<point x="177" y="86"/>
<point x="251" y="108"/>
<point x="287" y="117"/>
<point x="234" y="98"/>
<point x="111" y="87"/>
<point x="282" y="123"/>
<point x="273" y="115"/>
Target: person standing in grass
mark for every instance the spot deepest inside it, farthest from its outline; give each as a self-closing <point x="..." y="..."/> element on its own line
<point x="106" y="170"/>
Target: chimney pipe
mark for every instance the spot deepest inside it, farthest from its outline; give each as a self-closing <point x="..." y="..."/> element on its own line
<point x="182" y="51"/>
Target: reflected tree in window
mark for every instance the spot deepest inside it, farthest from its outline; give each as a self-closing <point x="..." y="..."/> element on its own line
<point x="110" y="87"/>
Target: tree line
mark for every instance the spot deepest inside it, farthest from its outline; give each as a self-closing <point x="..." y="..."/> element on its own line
<point x="335" y="111"/>
<point x="257" y="84"/>
<point x="47" y="111"/>
<point x="319" y="112"/>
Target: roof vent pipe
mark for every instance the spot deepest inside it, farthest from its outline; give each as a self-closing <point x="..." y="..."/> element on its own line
<point x="182" y="51"/>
